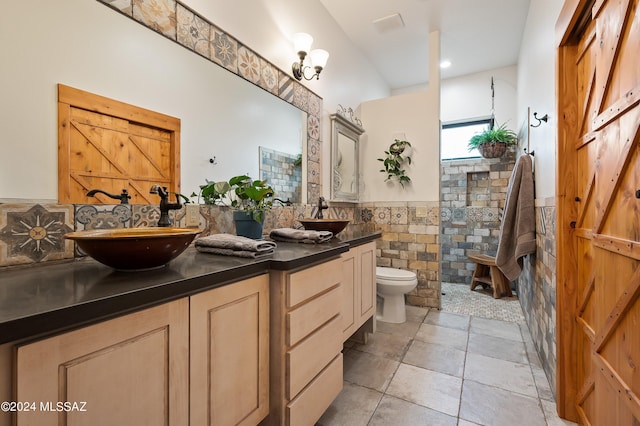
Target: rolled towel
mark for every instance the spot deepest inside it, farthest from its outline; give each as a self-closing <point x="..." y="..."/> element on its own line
<point x="307" y="236"/>
<point x="234" y="243"/>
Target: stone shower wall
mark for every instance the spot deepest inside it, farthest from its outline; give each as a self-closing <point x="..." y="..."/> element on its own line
<point x="473" y="193"/>
<point x="537" y="289"/>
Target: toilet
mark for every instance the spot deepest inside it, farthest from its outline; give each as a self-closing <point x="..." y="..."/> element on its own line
<point x="392" y="284"/>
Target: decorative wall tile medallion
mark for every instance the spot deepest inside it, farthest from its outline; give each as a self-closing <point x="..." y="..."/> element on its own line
<point x="490" y="214"/>
<point x="248" y="64"/>
<point x="145" y="215"/>
<point x="382" y="215"/>
<point x="315" y="105"/>
<point x="313" y="150"/>
<point x="268" y="77"/>
<point x="193" y="31"/>
<point x="313" y="127"/>
<point x="224" y="49"/>
<point x="102" y="216"/>
<point x="399" y="216"/>
<point x="34" y="233"/>
<point x="159" y="15"/>
<point x="300" y="97"/>
<point x="366" y="215"/>
<point x="433" y="216"/>
<point x="313" y="173"/>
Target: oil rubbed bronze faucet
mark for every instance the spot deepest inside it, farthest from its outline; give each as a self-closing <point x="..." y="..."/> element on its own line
<point x="123" y="197"/>
<point x="321" y="206"/>
<point x="165" y="205"/>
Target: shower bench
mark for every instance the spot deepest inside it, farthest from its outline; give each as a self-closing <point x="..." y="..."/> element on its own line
<point x="488" y="274"/>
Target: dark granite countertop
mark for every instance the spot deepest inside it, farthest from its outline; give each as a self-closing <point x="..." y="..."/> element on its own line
<point x="48" y="298"/>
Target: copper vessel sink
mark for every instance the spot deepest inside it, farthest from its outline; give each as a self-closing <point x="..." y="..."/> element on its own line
<point x="332" y="225"/>
<point x="134" y="248"/>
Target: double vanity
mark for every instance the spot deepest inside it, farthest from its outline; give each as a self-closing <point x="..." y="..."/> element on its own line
<point x="205" y="340"/>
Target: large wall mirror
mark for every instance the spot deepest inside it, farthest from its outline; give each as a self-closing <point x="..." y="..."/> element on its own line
<point x="345" y="151"/>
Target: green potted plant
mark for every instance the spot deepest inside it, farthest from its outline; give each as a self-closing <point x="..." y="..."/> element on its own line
<point x="249" y="199"/>
<point x="393" y="164"/>
<point x="213" y="192"/>
<point x="493" y="142"/>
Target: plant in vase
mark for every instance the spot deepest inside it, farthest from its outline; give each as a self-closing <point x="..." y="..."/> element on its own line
<point x="493" y="142"/>
<point x="250" y="199"/>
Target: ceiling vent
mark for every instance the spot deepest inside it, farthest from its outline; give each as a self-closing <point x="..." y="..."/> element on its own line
<point x="388" y="23"/>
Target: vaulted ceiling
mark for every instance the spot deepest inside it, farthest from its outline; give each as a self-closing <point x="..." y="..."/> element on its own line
<point x="476" y="35"/>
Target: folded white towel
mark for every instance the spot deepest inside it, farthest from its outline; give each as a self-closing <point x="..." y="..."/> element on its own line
<point x="307" y="236"/>
<point x="234" y="243"/>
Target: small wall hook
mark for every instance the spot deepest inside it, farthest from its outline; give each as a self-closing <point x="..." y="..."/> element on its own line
<point x="540" y="120"/>
<point x="213" y="160"/>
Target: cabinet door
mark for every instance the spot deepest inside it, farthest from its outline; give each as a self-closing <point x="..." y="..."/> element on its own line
<point x="129" y="370"/>
<point x="230" y="354"/>
<point x="367" y="280"/>
<point x="349" y="294"/>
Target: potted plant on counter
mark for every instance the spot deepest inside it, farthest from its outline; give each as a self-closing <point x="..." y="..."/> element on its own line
<point x="493" y="142"/>
<point x="250" y="199"/>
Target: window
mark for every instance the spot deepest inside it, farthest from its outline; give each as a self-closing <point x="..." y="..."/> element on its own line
<point x="456" y="135"/>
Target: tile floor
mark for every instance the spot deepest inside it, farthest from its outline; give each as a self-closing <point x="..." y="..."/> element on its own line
<point x="444" y="368"/>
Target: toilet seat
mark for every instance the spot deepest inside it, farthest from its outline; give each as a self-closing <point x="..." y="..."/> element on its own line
<point x="394" y="274"/>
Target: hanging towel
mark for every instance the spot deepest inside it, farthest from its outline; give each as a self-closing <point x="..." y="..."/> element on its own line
<point x="518" y="227"/>
<point x="234" y="245"/>
<point x="291" y="235"/>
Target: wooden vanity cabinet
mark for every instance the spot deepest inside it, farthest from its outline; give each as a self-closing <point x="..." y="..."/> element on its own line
<point x="306" y="342"/>
<point x="199" y="360"/>
<point x="359" y="287"/>
<point x="129" y="370"/>
<point x="230" y="354"/>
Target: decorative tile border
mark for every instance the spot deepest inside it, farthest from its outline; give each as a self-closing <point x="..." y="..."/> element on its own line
<point x="182" y="25"/>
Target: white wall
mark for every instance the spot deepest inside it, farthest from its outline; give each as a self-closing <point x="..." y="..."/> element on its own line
<point x="84" y="44"/>
<point x="537" y="90"/>
<point x="469" y="96"/>
<point x="414" y="116"/>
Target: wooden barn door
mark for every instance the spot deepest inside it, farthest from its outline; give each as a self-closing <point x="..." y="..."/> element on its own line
<point x="109" y="145"/>
<point x="599" y="212"/>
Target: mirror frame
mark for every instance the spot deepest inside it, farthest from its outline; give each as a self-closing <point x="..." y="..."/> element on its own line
<point x="341" y="125"/>
<point x="282" y="86"/>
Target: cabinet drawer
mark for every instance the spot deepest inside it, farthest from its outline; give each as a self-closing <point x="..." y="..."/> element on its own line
<point x="307" y="283"/>
<point x="308" y="317"/>
<point x="307" y="359"/>
<point x="307" y="408"/>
